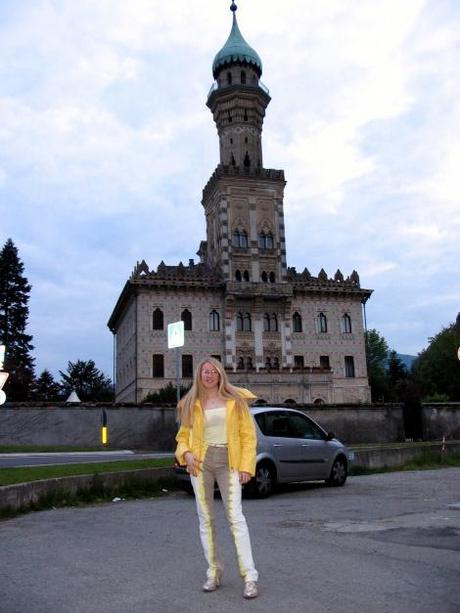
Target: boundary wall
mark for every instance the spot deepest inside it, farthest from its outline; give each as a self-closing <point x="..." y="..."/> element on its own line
<point x="153" y="428"/>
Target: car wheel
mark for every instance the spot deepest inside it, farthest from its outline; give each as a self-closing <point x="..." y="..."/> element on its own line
<point x="263" y="483"/>
<point x="339" y="472"/>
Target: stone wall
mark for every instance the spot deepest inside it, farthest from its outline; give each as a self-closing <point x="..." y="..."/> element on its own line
<point x="151" y="428"/>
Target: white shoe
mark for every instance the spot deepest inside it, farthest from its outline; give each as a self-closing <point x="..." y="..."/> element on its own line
<point x="250" y="590"/>
<point x="211" y="584"/>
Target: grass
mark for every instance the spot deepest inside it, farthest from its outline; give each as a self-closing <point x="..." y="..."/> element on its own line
<point x="48" y="448"/>
<point x="428" y="460"/>
<point x="97" y="493"/>
<point x="22" y="474"/>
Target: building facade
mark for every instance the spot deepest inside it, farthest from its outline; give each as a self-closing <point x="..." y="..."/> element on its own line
<point x="287" y="335"/>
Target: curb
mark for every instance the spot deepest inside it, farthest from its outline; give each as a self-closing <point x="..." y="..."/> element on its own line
<point x="22" y="495"/>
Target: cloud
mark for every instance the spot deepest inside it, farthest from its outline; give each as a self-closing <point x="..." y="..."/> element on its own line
<point x="106" y="143"/>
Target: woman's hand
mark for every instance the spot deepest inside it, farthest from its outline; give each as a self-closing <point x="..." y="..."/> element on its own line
<point x="193" y="464"/>
<point x="244" y="478"/>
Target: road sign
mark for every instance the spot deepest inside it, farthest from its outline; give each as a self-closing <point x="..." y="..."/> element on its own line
<point x="176" y="334"/>
<point x="2" y="355"/>
<point x="3" y="377"/>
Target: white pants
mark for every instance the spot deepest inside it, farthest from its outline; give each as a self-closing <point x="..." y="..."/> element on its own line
<point x="215" y="467"/>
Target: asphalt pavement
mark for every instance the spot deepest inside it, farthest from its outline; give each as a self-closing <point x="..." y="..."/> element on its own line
<point x="387" y="542"/>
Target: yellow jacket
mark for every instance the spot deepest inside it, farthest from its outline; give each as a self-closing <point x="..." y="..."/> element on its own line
<point x="241" y="434"/>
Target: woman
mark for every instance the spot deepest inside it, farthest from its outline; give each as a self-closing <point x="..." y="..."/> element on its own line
<point x="217" y="441"/>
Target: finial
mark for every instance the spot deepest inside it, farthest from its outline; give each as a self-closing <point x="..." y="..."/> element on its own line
<point x="233" y="6"/>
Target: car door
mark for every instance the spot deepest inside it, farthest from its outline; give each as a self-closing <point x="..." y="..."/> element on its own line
<point x="286" y="451"/>
<point x="315" y="451"/>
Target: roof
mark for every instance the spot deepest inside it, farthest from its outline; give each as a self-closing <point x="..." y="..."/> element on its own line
<point x="235" y="50"/>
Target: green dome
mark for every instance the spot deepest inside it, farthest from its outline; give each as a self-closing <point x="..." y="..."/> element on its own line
<point x="236" y="49"/>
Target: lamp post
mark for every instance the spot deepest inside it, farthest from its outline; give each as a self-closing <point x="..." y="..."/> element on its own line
<point x="3" y="375"/>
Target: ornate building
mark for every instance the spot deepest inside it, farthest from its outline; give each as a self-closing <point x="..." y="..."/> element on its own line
<point x="287" y="335"/>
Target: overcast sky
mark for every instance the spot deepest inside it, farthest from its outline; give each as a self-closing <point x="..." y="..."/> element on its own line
<point x="106" y="144"/>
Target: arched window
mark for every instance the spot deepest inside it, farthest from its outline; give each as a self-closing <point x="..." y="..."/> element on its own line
<point x="272" y="277"/>
<point x="249" y="365"/>
<point x="247" y="322"/>
<point x="214" y="321"/>
<point x="243" y="77"/>
<point x="245" y="275"/>
<point x="264" y="277"/>
<point x="266" y="322"/>
<point x="247" y="160"/>
<point x="186" y="317"/>
<point x="237" y="275"/>
<point x="322" y="323"/>
<point x="239" y="322"/>
<point x="274" y="323"/>
<point x="157" y="320"/>
<point x="268" y="363"/>
<point x="240" y="239"/>
<point x="276" y="363"/>
<point x="229" y="78"/>
<point x="266" y="240"/>
<point x="296" y="322"/>
<point x="346" y="323"/>
<point x="240" y="365"/>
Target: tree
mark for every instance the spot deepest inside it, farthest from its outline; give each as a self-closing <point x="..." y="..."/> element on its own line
<point x="396" y="375"/>
<point x="166" y="395"/>
<point x="14" y="312"/>
<point x="377" y="355"/>
<point x="88" y="381"/>
<point x="46" y="388"/>
<point x="437" y="368"/>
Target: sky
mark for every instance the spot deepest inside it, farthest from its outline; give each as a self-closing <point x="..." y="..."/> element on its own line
<point x="106" y="144"/>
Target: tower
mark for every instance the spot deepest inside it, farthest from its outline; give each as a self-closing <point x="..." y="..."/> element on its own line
<point x="243" y="204"/>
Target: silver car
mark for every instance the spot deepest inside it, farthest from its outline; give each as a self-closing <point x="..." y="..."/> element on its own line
<point x="291" y="447"/>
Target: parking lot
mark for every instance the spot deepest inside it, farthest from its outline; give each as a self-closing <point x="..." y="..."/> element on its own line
<point x="387" y="542"/>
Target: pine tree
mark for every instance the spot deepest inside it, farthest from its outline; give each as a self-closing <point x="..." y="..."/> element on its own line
<point x="88" y="381"/>
<point x="14" y="312"/>
<point x="46" y="388"/>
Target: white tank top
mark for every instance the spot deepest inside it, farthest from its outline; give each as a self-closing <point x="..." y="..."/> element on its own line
<point x="215" y="426"/>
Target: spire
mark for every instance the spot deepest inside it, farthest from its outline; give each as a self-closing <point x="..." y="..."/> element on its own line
<point x="236" y="50"/>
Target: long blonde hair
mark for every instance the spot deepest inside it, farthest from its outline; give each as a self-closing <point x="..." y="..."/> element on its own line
<point x="186" y="404"/>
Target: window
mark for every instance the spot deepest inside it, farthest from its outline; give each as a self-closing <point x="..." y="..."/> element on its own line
<point x="157" y="320"/>
<point x="276" y="363"/>
<point x="272" y="277"/>
<point x="214" y="321"/>
<point x="273" y="423"/>
<point x="243" y="77"/>
<point x="349" y="366"/>
<point x="240" y="239"/>
<point x="264" y="277"/>
<point x="346" y="323"/>
<point x="239" y="322"/>
<point x="298" y="361"/>
<point x="245" y="275"/>
<point x="322" y="323"/>
<point x="238" y="275"/>
<point x="301" y="427"/>
<point x="266" y="240"/>
<point x="247" y="326"/>
<point x="297" y="322"/>
<point x="186" y="317"/>
<point x="158" y="365"/>
<point x="249" y="365"/>
<point x="240" y="365"/>
<point x="324" y="362"/>
<point x="187" y="366"/>
<point x="216" y="357"/>
<point x="268" y="363"/>
<point x="266" y="322"/>
<point x="229" y="78"/>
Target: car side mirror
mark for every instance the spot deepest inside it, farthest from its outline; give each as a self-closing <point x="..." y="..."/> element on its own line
<point x="330" y="436"/>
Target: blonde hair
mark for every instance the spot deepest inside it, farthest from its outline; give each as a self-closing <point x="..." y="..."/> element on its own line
<point x="186" y="404"/>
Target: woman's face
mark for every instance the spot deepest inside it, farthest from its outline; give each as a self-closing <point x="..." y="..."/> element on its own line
<point x="209" y="376"/>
